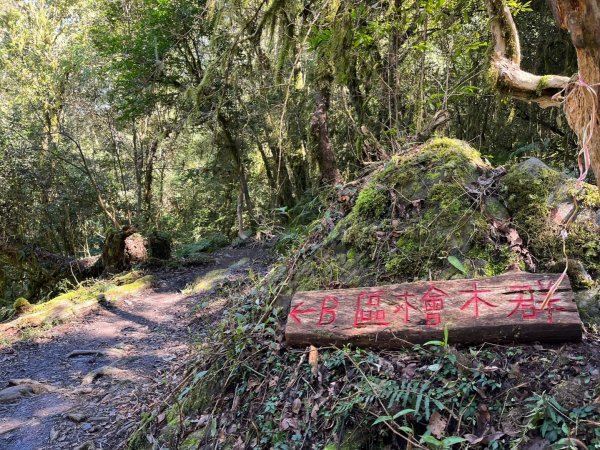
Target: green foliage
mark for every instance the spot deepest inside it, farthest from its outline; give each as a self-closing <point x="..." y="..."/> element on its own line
<point x="365" y="398"/>
<point x="209" y="244"/>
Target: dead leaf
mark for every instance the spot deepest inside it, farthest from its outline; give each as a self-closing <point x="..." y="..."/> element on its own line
<point x="239" y="444"/>
<point x="537" y="444"/>
<point x="473" y="439"/>
<point x="480" y="391"/>
<point x="515" y="371"/>
<point x="288" y="423"/>
<point x="296" y="405"/>
<point x="315" y="411"/>
<point x="273" y="381"/>
<point x="437" y="425"/>
<point x="203" y="420"/>
<point x="409" y="371"/>
<point x="483" y="419"/>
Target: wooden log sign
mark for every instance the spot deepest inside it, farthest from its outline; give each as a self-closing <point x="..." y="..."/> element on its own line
<point x="506" y="308"/>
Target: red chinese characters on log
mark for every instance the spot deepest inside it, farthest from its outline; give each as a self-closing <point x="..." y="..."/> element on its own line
<point x="476" y="299"/>
<point x="405" y="305"/>
<point x="525" y="303"/>
<point x="328" y="310"/>
<point x="433" y="300"/>
<point x="515" y="306"/>
<point x="369" y="310"/>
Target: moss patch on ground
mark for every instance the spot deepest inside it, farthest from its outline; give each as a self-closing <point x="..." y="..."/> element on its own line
<point x="57" y="310"/>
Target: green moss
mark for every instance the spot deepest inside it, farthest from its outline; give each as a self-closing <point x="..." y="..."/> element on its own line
<point x="21" y="304"/>
<point x="371" y="202"/>
<point x="532" y="191"/>
<point x="352" y="254"/>
<point x="543" y="83"/>
<point x="124" y="290"/>
<point x="405" y="222"/>
<point x="126" y="278"/>
<point x="42" y="316"/>
<point x="206" y="282"/>
<point x="495" y="258"/>
<point x="587" y="196"/>
<point x="193" y="440"/>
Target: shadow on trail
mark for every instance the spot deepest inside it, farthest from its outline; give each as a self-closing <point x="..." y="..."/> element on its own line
<point x="130" y="317"/>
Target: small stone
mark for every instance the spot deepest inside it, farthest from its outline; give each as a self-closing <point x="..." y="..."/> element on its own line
<point x="98" y="419"/>
<point x="77" y="416"/>
<point x="86" y="426"/>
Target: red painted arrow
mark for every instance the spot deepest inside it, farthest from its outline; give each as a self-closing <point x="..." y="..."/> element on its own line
<point x="296" y="311"/>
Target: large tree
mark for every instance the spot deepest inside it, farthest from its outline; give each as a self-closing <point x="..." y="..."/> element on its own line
<point x="581" y="18"/>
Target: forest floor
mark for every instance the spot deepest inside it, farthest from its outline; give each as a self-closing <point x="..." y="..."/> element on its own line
<point x="142" y="344"/>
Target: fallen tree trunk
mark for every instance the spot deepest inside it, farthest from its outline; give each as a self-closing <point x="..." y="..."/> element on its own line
<point x="35" y="259"/>
<point x="44" y="269"/>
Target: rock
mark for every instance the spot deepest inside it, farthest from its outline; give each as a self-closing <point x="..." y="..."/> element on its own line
<point x="543" y="201"/>
<point x="21" y="305"/>
<point x="580" y="278"/>
<point x="36" y="386"/>
<point x="408" y="217"/>
<point x="102" y="371"/>
<point x="86" y="426"/>
<point x="588" y="303"/>
<point x="13" y="393"/>
<point x="77" y="416"/>
<point x="98" y="419"/>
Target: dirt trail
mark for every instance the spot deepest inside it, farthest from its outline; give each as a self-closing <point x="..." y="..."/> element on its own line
<point x="95" y="400"/>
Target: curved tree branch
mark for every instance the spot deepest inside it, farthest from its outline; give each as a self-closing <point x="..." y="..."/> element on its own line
<point x="506" y="61"/>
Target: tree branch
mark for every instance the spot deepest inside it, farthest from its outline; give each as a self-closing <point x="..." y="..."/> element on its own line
<point x="506" y="61"/>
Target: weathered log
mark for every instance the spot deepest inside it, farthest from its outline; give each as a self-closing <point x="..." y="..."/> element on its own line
<point x="503" y="309"/>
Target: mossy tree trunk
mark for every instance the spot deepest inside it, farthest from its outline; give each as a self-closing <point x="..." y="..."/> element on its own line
<point x="43" y="269"/>
<point x="320" y="128"/>
<point x="582" y="19"/>
<point x="122" y="248"/>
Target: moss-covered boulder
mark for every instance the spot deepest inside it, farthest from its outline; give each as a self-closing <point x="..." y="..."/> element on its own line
<point x="409" y="218"/>
<point x="545" y="202"/>
<point x="440" y="212"/>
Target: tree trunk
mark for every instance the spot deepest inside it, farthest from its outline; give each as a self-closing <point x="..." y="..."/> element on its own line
<point x="43" y="269"/>
<point x="240" y="215"/>
<point x="582" y="19"/>
<point x="325" y="155"/>
<point x="138" y="161"/>
<point x="236" y="154"/>
<point x="122" y="248"/>
<point x="149" y="178"/>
